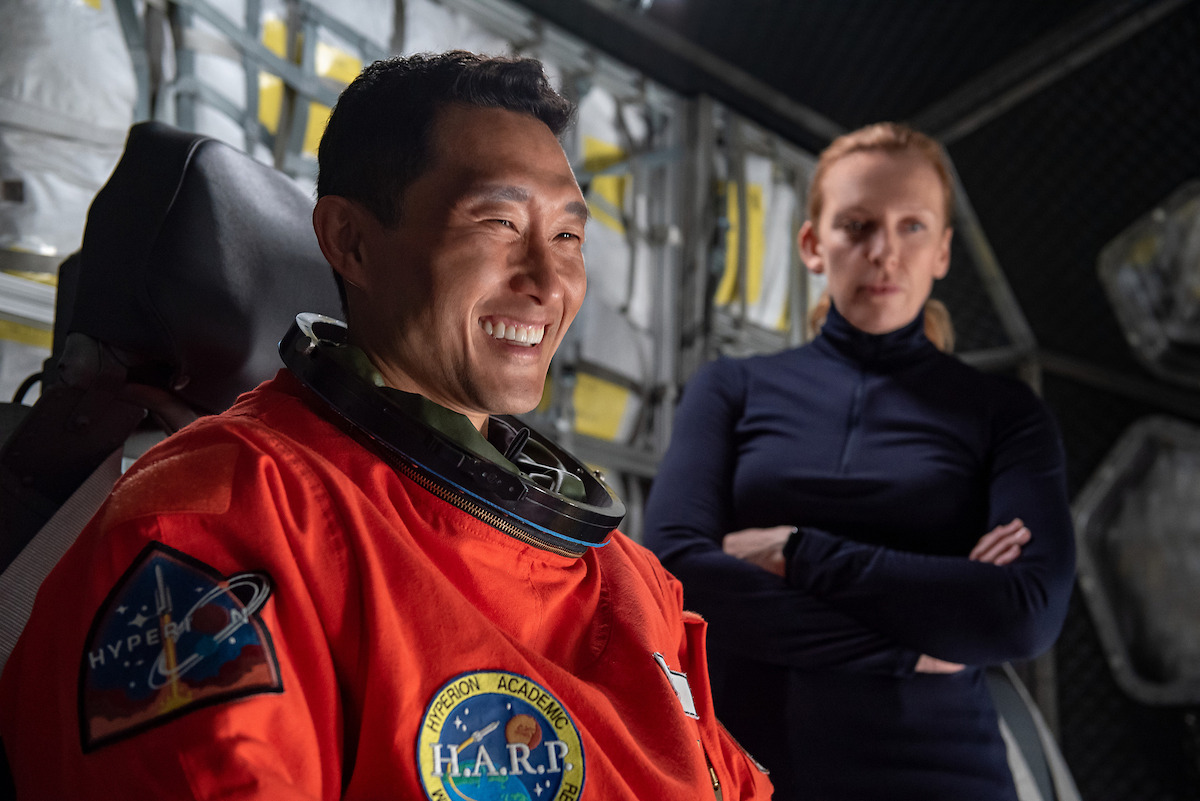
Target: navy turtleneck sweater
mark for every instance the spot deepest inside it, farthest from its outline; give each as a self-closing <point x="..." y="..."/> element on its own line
<point x="892" y="459"/>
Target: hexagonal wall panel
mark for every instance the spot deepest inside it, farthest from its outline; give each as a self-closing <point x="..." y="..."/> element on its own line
<point x="1151" y="272"/>
<point x="1138" y="531"/>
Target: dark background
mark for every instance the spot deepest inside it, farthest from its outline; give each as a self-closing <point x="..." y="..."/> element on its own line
<point x="1067" y="120"/>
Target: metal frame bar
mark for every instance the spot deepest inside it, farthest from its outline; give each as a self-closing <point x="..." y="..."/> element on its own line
<point x="718" y="69"/>
<point x="304" y="83"/>
<point x="988" y="266"/>
<point x="1176" y="400"/>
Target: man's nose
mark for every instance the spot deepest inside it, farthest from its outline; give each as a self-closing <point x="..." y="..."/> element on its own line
<point x="537" y="273"/>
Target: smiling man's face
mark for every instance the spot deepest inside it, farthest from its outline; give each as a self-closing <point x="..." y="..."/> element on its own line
<point x="470" y="294"/>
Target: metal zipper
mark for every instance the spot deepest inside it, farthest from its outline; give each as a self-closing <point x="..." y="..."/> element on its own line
<point x="712" y="773"/>
<point x="854" y="420"/>
<point x="493" y="519"/>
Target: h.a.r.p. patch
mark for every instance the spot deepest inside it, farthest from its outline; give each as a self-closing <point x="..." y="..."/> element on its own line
<point x="498" y="735"/>
<point x="173" y="636"/>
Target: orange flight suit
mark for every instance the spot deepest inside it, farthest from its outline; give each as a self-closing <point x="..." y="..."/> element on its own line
<point x="265" y="609"/>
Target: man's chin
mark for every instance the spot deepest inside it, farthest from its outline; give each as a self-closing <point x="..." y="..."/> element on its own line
<point x="509" y="402"/>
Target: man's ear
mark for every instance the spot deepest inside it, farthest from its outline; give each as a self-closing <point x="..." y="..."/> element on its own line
<point x="810" y="248"/>
<point x="340" y="226"/>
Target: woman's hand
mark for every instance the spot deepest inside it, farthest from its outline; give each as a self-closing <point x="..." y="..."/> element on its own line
<point x="1001" y="545"/>
<point x="931" y="664"/>
<point x="760" y="546"/>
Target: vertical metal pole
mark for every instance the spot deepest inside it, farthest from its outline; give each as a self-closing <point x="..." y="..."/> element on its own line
<point x="737" y="173"/>
<point x="250" y="124"/>
<point x="694" y="344"/>
<point x="135" y="40"/>
<point x="185" y="66"/>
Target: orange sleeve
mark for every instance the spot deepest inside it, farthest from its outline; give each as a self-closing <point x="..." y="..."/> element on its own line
<point x="107" y="696"/>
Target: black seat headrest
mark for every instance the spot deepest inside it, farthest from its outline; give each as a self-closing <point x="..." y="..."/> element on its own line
<point x="195" y="260"/>
<point x="196" y="257"/>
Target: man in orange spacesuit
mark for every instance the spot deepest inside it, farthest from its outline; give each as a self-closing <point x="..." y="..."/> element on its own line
<point x="366" y="580"/>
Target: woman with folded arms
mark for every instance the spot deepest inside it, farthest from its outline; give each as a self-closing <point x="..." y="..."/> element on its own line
<point x="865" y="521"/>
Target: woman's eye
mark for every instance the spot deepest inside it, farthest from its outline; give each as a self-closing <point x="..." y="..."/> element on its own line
<point x="914" y="226"/>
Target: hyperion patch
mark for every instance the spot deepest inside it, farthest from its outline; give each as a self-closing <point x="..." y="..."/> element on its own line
<point x="173" y="636"/>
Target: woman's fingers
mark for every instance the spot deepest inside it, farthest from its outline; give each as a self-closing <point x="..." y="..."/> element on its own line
<point x="760" y="546"/>
<point x="1007" y="556"/>
<point x="931" y="664"/>
<point x="1001" y="545"/>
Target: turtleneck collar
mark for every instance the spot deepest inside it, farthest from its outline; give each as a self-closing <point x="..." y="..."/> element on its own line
<point x="901" y="346"/>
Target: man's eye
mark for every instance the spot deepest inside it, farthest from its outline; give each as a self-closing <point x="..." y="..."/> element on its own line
<point x="914" y="226"/>
<point x="568" y="235"/>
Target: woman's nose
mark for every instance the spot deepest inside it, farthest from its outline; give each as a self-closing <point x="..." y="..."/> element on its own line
<point x="881" y="248"/>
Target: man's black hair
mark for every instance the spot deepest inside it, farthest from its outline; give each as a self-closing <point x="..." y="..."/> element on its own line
<point x="377" y="140"/>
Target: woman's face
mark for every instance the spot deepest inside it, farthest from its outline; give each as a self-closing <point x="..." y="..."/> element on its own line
<point x="882" y="238"/>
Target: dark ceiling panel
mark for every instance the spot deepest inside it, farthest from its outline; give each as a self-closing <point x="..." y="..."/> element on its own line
<point x="850" y="61"/>
<point x="1057" y="177"/>
<point x="1107" y="128"/>
<point x="859" y="61"/>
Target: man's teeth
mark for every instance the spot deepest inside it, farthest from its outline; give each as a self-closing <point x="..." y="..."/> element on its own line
<point x="520" y="334"/>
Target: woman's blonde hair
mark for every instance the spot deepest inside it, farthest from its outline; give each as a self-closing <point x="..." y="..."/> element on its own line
<point x="890" y="137"/>
<point x="939" y="328"/>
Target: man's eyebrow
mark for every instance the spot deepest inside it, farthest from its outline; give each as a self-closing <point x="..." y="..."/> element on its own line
<point x="501" y="192"/>
<point x="520" y="194"/>
<point x="577" y="209"/>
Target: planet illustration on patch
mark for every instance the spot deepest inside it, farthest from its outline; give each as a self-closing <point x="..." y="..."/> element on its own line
<point x="523" y="729"/>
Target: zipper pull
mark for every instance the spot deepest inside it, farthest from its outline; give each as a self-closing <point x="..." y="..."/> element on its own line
<point x="712" y="773"/>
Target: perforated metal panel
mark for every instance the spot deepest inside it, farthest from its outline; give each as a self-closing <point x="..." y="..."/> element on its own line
<point x="1118" y="748"/>
<point x="977" y="326"/>
<point x="1151" y="272"/>
<point x="860" y="61"/>
<point x="1058" y="176"/>
<point x="1138" y="531"/>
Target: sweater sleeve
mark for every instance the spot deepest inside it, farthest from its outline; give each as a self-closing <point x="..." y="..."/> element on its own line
<point x="750" y="611"/>
<point x="949" y="606"/>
